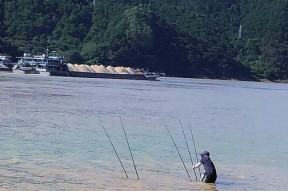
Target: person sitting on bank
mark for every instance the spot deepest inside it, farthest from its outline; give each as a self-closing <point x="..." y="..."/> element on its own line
<point x="210" y="174"/>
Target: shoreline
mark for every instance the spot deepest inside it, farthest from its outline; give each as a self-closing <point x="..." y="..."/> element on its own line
<point x="283" y="81"/>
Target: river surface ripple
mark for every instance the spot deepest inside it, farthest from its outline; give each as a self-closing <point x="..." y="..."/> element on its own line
<point x="51" y="138"/>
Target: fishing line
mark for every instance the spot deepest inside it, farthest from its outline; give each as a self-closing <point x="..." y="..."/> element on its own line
<point x="188" y="148"/>
<point x="177" y="150"/>
<point x="112" y="145"/>
<point x="128" y="144"/>
<point x="195" y="148"/>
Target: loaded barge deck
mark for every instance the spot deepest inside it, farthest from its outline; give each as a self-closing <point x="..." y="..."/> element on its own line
<point x="100" y="71"/>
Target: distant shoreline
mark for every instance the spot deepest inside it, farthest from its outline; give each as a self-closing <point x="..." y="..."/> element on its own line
<point x="228" y="79"/>
<point x="236" y="79"/>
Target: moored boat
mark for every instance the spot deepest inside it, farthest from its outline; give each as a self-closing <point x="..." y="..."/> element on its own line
<point x="37" y="63"/>
<point x="29" y="70"/>
<point x="5" y="63"/>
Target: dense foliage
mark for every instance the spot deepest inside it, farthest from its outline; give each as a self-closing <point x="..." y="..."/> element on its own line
<point x="192" y="38"/>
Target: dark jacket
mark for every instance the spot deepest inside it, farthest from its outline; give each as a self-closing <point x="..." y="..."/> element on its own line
<point x="208" y="166"/>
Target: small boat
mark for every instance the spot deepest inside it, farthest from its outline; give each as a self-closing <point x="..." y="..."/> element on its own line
<point x="29" y="70"/>
<point x="5" y="63"/>
<point x="4" y="68"/>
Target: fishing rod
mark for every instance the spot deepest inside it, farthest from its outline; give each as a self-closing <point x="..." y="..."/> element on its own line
<point x="177" y="150"/>
<point x="188" y="148"/>
<point x="195" y="148"/>
<point x="112" y="146"/>
<point x="128" y="144"/>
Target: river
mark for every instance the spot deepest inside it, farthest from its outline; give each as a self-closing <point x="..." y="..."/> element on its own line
<point x="51" y="137"/>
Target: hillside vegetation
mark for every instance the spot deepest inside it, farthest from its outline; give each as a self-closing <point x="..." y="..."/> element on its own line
<point x="183" y="38"/>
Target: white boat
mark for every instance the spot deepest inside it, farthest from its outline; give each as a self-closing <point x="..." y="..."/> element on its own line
<point x="29" y="70"/>
<point x="5" y="62"/>
<point x="38" y="62"/>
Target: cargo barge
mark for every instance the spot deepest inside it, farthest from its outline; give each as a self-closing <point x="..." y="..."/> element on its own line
<point x="100" y="71"/>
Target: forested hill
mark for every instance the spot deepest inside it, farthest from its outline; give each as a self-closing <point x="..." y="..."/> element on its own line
<point x="187" y="38"/>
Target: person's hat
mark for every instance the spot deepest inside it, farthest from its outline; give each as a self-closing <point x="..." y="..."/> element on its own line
<point x="204" y="153"/>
